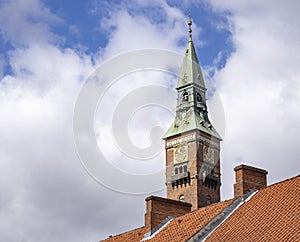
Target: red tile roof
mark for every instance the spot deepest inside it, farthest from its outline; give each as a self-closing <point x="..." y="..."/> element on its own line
<point x="132" y="235"/>
<point x="183" y="227"/>
<point x="178" y="229"/>
<point x="272" y="214"/>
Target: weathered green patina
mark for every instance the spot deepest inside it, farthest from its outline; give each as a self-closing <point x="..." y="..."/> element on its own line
<point x="190" y="70"/>
<point x="191" y="110"/>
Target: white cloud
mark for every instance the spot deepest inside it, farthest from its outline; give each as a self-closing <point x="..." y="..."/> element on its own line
<point x="47" y="195"/>
<point x="260" y="88"/>
<point x="137" y="32"/>
<point x="38" y="162"/>
<point x="27" y="22"/>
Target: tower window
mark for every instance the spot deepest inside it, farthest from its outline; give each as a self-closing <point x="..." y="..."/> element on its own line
<point x="181" y="198"/>
<point x="185" y="168"/>
<point x="185" y="96"/>
<point x="198" y="96"/>
<point x="176" y="171"/>
<point x="180" y="169"/>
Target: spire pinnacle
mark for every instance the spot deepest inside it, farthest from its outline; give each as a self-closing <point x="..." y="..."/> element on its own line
<point x="190" y="22"/>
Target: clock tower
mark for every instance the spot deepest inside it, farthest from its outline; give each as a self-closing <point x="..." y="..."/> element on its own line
<point x="192" y="144"/>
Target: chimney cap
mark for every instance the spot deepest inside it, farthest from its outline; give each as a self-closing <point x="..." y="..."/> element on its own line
<point x="170" y="201"/>
<point x="250" y="168"/>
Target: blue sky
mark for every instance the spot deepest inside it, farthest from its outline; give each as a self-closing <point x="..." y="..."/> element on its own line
<point x="48" y="49"/>
<point x="79" y="25"/>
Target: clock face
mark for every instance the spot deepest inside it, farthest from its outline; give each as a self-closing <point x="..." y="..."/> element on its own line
<point x="208" y="154"/>
<point x="180" y="154"/>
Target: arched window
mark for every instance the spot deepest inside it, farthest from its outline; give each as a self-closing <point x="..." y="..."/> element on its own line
<point x="176" y="170"/>
<point x="185" y="96"/>
<point x="180" y="169"/>
<point x="181" y="198"/>
<point x="185" y="168"/>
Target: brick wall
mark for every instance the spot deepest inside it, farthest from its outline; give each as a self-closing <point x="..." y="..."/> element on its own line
<point x="247" y="178"/>
<point x="157" y="209"/>
<point x="194" y="192"/>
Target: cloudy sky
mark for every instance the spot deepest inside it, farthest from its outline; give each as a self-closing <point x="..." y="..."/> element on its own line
<point x="48" y="50"/>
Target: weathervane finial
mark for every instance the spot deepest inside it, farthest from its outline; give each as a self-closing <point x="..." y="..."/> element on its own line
<point x="190" y="22"/>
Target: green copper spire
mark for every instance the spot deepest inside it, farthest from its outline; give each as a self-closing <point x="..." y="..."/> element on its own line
<point x="190" y="70"/>
<point x="191" y="109"/>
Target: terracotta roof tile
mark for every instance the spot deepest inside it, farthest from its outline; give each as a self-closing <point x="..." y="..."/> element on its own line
<point x="179" y="229"/>
<point x="272" y="214"/>
<point x="132" y="235"/>
<point x="183" y="227"/>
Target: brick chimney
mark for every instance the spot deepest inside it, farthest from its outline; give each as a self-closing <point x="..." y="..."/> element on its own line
<point x="247" y="178"/>
<point x="157" y="209"/>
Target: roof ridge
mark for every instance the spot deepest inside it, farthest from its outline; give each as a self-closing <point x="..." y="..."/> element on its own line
<point x="157" y="229"/>
<point x="203" y="208"/>
<point x="223" y="215"/>
<point x="279" y="182"/>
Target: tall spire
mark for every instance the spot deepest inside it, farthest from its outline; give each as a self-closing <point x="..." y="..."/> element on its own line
<point x="191" y="110"/>
<point x="190" y="70"/>
<point x="192" y="143"/>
